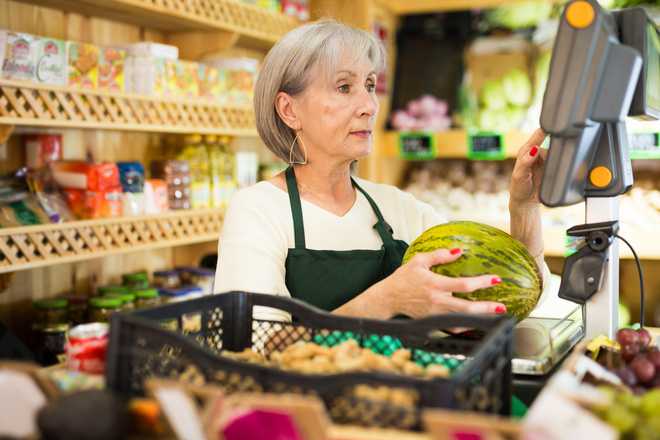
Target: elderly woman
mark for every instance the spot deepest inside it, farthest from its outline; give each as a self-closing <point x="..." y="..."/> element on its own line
<point x="319" y="233"/>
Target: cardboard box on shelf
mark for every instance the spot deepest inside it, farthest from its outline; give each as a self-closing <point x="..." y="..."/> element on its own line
<point x="111" y="69"/>
<point x="19" y="56"/>
<point x="83" y="62"/>
<point x="51" y="63"/>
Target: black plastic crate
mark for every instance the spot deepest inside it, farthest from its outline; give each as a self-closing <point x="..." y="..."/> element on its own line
<point x="183" y="340"/>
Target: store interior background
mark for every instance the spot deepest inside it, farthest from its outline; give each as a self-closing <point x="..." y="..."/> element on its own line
<point x="427" y="48"/>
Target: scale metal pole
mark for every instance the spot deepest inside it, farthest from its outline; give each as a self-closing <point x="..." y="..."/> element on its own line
<point x="602" y="309"/>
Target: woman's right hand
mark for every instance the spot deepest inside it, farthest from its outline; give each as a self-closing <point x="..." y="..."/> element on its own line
<point x="416" y="291"/>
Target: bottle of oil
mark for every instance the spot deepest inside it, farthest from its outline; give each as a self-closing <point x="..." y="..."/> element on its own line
<point x="229" y="182"/>
<point x="214" y="152"/>
<point x="194" y="151"/>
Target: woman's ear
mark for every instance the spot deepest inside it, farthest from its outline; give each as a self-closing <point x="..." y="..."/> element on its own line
<point x="284" y="104"/>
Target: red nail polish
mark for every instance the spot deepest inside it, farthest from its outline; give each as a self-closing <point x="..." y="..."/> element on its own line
<point x="496" y="280"/>
<point x="533" y="151"/>
<point x="455" y="251"/>
<point x="500" y="309"/>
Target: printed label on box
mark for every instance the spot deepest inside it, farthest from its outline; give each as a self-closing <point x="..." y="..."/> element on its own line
<point x="51" y="66"/>
<point x="111" y="70"/>
<point x="83" y="65"/>
<point x="20" y="55"/>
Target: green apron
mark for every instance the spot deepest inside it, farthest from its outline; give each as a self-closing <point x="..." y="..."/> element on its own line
<point x="328" y="279"/>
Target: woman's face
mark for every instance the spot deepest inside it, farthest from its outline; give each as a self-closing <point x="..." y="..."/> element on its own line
<point x="337" y="118"/>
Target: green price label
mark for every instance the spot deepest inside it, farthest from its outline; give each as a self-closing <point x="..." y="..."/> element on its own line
<point x="486" y="146"/>
<point x="417" y="146"/>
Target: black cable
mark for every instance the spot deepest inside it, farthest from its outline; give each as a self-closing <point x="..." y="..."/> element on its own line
<point x="641" y="278"/>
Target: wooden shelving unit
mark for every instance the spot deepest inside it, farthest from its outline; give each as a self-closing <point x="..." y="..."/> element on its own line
<point x="256" y="26"/>
<point x="24" y="103"/>
<point x="35" y="246"/>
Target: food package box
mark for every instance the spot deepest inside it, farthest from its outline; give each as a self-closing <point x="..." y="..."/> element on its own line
<point x="105" y="203"/>
<point x="3" y="49"/>
<point x="156" y="196"/>
<point x="75" y="198"/>
<point x="111" y="69"/>
<point x="187" y="80"/>
<point x="51" y="64"/>
<point x="153" y="76"/>
<point x="148" y="48"/>
<point x="84" y="175"/>
<point x="209" y="82"/>
<point x="240" y="76"/>
<point x="83" y="64"/>
<point x="20" y="56"/>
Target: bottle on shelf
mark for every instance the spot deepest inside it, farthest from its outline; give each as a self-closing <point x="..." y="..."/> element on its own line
<point x="194" y="151"/>
<point x="215" y="169"/>
<point x="228" y="163"/>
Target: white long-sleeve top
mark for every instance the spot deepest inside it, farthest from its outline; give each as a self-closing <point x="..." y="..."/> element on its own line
<point x="257" y="233"/>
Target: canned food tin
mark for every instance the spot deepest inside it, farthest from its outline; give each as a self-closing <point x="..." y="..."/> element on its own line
<point x="86" y="347"/>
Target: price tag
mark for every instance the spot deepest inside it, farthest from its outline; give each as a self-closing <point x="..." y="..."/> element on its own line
<point x="417" y="146"/>
<point x="486" y="146"/>
<point x="644" y="145"/>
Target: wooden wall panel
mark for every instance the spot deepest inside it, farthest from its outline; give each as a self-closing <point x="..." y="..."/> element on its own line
<point x="16" y="300"/>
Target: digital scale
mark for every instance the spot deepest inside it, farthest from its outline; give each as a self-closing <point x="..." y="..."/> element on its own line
<point x="605" y="67"/>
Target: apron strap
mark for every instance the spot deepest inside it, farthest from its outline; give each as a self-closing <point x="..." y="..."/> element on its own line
<point x="384" y="230"/>
<point x="296" y="208"/>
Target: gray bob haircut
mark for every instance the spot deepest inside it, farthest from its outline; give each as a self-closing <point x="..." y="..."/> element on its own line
<point x="313" y="50"/>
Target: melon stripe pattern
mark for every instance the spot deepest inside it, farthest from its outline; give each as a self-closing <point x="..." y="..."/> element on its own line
<point x="486" y="250"/>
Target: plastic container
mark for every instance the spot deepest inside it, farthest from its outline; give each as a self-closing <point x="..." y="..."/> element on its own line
<point x="481" y="372"/>
<point x="101" y="308"/>
<point x="51" y="311"/>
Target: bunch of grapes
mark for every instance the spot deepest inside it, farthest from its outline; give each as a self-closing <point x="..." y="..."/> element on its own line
<point x="640" y="369"/>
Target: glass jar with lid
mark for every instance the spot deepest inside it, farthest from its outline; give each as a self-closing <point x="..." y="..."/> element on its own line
<point x="112" y="288"/>
<point x="195" y="292"/>
<point x="137" y="280"/>
<point x="175" y="295"/>
<point x="50" y="340"/>
<point x="203" y="278"/>
<point x="101" y="307"/>
<point x="127" y="300"/>
<point x="77" y="308"/>
<point x="168" y="279"/>
<point x="146" y="298"/>
<point x="51" y="311"/>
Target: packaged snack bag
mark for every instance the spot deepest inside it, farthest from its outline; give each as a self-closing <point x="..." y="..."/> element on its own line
<point x="51" y="65"/>
<point x="103" y="203"/>
<point x="209" y="82"/>
<point x="187" y="80"/>
<point x="83" y="64"/>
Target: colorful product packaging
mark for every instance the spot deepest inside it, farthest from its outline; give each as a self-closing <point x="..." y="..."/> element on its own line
<point x="51" y="64"/>
<point x="75" y="198"/>
<point x="156" y="196"/>
<point x="3" y="49"/>
<point x="240" y="76"/>
<point x="83" y="175"/>
<point x="82" y="64"/>
<point x="106" y="203"/>
<point x="20" y="56"/>
<point x="41" y="149"/>
<point x="111" y="69"/>
<point x="131" y="176"/>
<point x="150" y="68"/>
<point x="209" y="82"/>
<point x="187" y="80"/>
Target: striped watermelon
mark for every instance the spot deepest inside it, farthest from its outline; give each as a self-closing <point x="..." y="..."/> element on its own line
<point x="486" y="250"/>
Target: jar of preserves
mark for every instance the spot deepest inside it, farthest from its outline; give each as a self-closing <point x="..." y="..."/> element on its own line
<point x="185" y="274"/>
<point x="51" y="311"/>
<point x="146" y="298"/>
<point x="77" y="308"/>
<point x="169" y="279"/>
<point x="195" y="292"/>
<point x="101" y="307"/>
<point x="127" y="300"/>
<point x="175" y="295"/>
<point x="203" y="278"/>
<point x="118" y="288"/>
<point x="50" y="341"/>
<point x="137" y="280"/>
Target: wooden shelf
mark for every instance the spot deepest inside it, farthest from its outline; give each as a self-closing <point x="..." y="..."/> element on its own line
<point x="454" y="143"/>
<point x="35" y="246"/>
<point x="24" y="103"/>
<point x="257" y="26"/>
<point x="403" y="7"/>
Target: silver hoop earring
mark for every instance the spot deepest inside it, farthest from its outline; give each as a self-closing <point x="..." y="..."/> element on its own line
<point x="291" y="161"/>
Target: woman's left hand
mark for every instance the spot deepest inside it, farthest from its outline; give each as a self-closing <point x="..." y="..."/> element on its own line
<point x="527" y="172"/>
